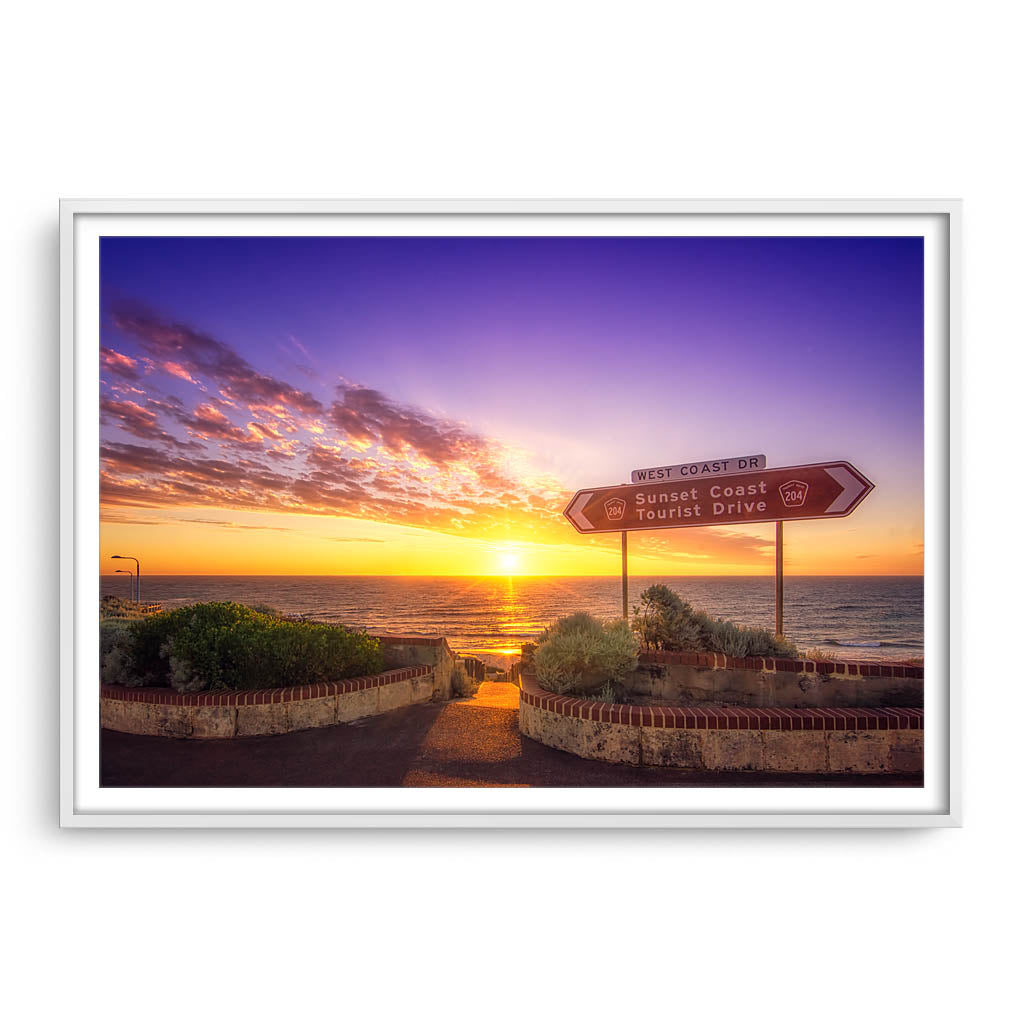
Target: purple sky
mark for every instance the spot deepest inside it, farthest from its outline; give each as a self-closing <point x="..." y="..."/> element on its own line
<point x="593" y="356"/>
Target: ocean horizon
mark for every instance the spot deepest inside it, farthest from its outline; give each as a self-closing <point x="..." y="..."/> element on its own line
<point x="849" y="617"/>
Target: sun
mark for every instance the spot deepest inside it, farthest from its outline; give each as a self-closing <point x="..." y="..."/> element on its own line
<point x="509" y="561"/>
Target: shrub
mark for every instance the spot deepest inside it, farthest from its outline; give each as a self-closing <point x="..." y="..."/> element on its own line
<point x="580" y="654"/>
<point x="121" y="608"/>
<point x="664" y="621"/>
<point x="463" y="684"/>
<point x="267" y="609"/>
<point x="115" y="643"/>
<point x="817" y="654"/>
<point x="222" y="645"/>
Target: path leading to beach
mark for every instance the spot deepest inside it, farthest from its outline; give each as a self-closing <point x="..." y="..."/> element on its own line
<point x="472" y="742"/>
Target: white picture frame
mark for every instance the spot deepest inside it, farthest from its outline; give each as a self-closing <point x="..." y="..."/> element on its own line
<point x="83" y="803"/>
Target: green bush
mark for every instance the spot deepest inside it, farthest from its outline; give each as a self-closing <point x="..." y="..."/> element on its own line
<point x="582" y="655"/>
<point x="664" y="621"/>
<point x="611" y="693"/>
<point x="115" y="642"/>
<point x="222" y="645"/>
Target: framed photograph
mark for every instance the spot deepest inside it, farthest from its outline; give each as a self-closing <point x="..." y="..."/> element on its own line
<point x="509" y="514"/>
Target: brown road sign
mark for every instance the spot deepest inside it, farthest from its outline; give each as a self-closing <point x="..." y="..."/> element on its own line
<point x="825" y="490"/>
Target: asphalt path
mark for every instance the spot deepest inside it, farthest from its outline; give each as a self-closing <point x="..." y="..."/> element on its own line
<point x="472" y="742"/>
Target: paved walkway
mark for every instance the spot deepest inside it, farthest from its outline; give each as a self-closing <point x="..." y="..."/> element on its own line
<point x="473" y="742"/>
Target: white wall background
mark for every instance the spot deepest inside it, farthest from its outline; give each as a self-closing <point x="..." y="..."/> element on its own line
<point x="526" y="100"/>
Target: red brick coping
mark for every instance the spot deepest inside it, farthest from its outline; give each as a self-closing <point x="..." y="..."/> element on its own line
<point x="720" y="716"/>
<point x="278" y="695"/>
<point x="830" y="668"/>
<point x="417" y="641"/>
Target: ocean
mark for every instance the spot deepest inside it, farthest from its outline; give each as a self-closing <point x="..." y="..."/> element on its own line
<point x="863" y="618"/>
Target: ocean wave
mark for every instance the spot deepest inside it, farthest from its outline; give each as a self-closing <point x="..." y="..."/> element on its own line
<point x="832" y="642"/>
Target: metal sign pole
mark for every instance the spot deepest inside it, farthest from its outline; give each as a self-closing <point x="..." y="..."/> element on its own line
<point x="625" y="583"/>
<point x="778" y="578"/>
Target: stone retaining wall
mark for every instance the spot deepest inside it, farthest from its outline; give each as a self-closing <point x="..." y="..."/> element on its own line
<point x="719" y="738"/>
<point x="162" y="712"/>
<point x="420" y="670"/>
<point x="680" y="678"/>
<point x="403" y="651"/>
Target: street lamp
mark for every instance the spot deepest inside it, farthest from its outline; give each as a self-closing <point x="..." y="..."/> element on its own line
<point x="131" y="582"/>
<point x="138" y="574"/>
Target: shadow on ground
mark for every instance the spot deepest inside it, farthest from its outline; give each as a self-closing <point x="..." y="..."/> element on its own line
<point x="473" y="742"/>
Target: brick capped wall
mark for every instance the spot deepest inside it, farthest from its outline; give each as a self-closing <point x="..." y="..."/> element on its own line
<point x="162" y="712"/>
<point x="721" y="738"/>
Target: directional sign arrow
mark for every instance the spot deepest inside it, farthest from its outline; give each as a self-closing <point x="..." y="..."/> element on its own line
<point x="824" y="490"/>
<point x="574" y="513"/>
<point x="852" y="490"/>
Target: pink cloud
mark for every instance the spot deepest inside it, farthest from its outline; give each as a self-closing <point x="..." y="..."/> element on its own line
<point x="119" y="364"/>
<point x="177" y="370"/>
<point x="202" y="356"/>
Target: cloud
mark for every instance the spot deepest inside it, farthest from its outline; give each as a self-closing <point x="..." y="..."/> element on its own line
<point x="197" y="354"/>
<point x="238" y="526"/>
<point x="296" y="344"/>
<point x="110" y="516"/>
<point x="119" y="364"/>
<point x="208" y="423"/>
<point x="365" y="414"/>
<point x="253" y="442"/>
<point x="177" y="370"/>
<point x="139" y="421"/>
<point x="264" y="431"/>
<point x="705" y="544"/>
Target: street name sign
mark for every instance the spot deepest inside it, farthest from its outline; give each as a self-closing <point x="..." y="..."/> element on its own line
<point x="693" y="470"/>
<point x="824" y="490"/>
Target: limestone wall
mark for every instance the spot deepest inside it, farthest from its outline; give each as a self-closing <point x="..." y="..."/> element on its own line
<point x="869" y="740"/>
<point x="400" y="652"/>
<point x="162" y="712"/>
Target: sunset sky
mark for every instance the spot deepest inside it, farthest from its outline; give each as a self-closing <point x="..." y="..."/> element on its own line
<point x="428" y="405"/>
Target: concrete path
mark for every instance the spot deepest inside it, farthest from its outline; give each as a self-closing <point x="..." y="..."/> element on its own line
<point x="472" y="742"/>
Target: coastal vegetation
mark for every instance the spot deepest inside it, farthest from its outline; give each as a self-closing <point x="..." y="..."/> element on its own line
<point x="463" y="684"/>
<point x="228" y="646"/>
<point x="664" y="621"/>
<point x="120" y="608"/>
<point x="583" y="655"/>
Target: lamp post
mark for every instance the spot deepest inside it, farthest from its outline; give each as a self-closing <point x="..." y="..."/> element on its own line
<point x="131" y="582"/>
<point x="138" y="574"/>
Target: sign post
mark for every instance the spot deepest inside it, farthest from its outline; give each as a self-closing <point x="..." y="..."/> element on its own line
<point x="823" y="490"/>
<point x="625" y="582"/>
<point x="778" y="578"/>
